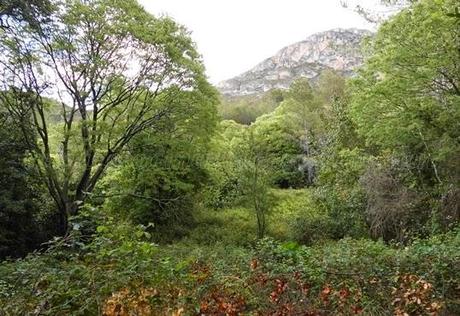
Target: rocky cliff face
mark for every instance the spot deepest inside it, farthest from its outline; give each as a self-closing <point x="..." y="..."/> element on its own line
<point x="337" y="49"/>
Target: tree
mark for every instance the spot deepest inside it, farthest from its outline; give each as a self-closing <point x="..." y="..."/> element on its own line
<point x="115" y="70"/>
<point x="406" y="97"/>
<point x="160" y="175"/>
<point x="284" y="154"/>
<point x="255" y="178"/>
<point x="222" y="167"/>
<point x="303" y="109"/>
<point x="301" y="112"/>
<point x="405" y="105"/>
<point x="330" y="88"/>
<point x="246" y="109"/>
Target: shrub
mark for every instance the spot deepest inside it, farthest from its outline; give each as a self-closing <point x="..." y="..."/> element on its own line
<point x="120" y="269"/>
<point x="394" y="211"/>
<point x="72" y="277"/>
<point x="339" y="191"/>
<point x="297" y="217"/>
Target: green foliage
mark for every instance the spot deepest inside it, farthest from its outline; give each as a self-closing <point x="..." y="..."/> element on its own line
<point x="276" y="137"/>
<point x="23" y="208"/>
<point x="295" y="216"/>
<point x="340" y="277"/>
<point x="406" y="97"/>
<point x="255" y="179"/>
<point x="226" y="227"/>
<point x="72" y="277"/>
<point x="404" y="104"/>
<point x="370" y="270"/>
<point x="162" y="174"/>
<point x="340" y="192"/>
<point x="302" y="121"/>
<point x="31" y="11"/>
<point x="223" y="187"/>
<point x="117" y="71"/>
<point x="246" y="109"/>
<point x="376" y="157"/>
<point x="298" y="217"/>
<point x="290" y="138"/>
<point x="389" y="159"/>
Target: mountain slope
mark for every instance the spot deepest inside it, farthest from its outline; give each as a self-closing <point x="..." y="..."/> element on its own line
<point x="337" y="49"/>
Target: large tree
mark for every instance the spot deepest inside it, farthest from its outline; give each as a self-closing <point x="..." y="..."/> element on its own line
<point x="115" y="71"/>
<point x="406" y="106"/>
<point x="407" y="95"/>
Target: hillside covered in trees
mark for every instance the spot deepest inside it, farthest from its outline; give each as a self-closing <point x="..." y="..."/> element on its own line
<point x="130" y="186"/>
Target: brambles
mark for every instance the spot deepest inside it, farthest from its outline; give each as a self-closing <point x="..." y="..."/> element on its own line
<point x="344" y="278"/>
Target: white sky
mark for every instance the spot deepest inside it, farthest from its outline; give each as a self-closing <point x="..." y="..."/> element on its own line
<point x="235" y="35"/>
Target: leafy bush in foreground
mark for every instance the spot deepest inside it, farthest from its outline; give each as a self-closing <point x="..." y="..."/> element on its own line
<point x="131" y="275"/>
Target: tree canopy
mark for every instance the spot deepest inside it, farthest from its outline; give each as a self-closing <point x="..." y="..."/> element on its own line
<point x="115" y="70"/>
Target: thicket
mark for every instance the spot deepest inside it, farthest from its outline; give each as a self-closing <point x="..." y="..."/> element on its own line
<point x="121" y="272"/>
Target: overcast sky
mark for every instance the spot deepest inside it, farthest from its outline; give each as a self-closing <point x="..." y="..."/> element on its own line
<point x="235" y="35"/>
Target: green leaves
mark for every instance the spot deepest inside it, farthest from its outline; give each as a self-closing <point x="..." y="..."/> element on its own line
<point x="404" y="103"/>
<point x="408" y="77"/>
<point x="118" y="72"/>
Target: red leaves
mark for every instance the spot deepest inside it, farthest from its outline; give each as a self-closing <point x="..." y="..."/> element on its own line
<point x="280" y="287"/>
<point x="325" y="294"/>
<point x="260" y="279"/>
<point x="286" y="294"/>
<point x="222" y="303"/>
<point x="200" y="272"/>
<point x="356" y="309"/>
<point x="282" y="294"/>
<point x="343" y="301"/>
<point x="344" y="293"/>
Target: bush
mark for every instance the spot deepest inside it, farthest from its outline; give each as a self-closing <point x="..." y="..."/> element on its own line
<point x="394" y="210"/>
<point x="74" y="278"/>
<point x="121" y="270"/>
<point x="340" y="193"/>
<point x="367" y="277"/>
<point x="297" y="217"/>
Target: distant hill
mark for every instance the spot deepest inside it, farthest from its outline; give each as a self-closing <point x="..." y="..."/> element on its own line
<point x="337" y="49"/>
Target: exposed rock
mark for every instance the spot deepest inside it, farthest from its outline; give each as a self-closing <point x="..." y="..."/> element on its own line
<point x="338" y="49"/>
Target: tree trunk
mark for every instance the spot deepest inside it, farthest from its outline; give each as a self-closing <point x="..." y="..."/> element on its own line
<point x="70" y="209"/>
<point x="63" y="222"/>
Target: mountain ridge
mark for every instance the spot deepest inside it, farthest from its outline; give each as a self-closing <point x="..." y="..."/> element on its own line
<point x="338" y="49"/>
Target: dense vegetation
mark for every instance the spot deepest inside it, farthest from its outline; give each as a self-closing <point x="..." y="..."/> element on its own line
<point x="128" y="187"/>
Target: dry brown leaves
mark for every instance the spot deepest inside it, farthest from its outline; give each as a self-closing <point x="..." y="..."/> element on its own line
<point x="126" y="303"/>
<point x="415" y="296"/>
